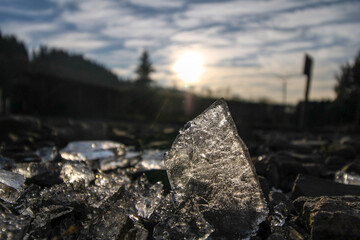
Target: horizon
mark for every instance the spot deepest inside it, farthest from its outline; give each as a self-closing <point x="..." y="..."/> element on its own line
<point x="246" y="47"/>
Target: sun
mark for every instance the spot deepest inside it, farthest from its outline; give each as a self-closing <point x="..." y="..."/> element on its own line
<point x="189" y="67"/>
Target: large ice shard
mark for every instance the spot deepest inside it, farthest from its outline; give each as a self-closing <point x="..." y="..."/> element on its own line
<point x="209" y="162"/>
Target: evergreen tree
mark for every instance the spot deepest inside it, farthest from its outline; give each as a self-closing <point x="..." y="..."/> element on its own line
<point x="347" y="89"/>
<point x="144" y="70"/>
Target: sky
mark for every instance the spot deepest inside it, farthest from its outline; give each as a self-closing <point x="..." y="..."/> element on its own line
<point x="242" y="48"/>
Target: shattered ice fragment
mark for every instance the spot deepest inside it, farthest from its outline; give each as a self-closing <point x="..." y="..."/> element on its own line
<point x="127" y="160"/>
<point x="92" y="150"/>
<point x="10" y="185"/>
<point x="47" y="153"/>
<point x="210" y="163"/>
<point x="152" y="159"/>
<point x="277" y="219"/>
<point x="180" y="220"/>
<point x="147" y="197"/>
<point x="347" y="178"/>
<point x="76" y="174"/>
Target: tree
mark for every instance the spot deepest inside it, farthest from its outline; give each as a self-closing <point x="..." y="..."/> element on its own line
<point x="347" y="89"/>
<point x="144" y="70"/>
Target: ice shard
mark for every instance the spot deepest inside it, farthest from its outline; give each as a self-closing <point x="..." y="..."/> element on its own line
<point x="209" y="162"/>
<point x="92" y="150"/>
<point x="11" y="185"/>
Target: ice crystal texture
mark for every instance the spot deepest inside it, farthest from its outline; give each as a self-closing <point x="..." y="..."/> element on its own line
<point x="10" y="185"/>
<point x="209" y="163"/>
<point x="91" y="150"/>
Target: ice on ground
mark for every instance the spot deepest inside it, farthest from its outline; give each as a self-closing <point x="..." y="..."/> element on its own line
<point x="92" y="150"/>
<point x="10" y="185"/>
<point x="209" y="163"/>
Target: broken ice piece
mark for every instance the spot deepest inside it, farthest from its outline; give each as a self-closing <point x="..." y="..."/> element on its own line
<point x="10" y="185"/>
<point x="47" y="153"/>
<point x="208" y="161"/>
<point x="347" y="178"/>
<point x="152" y="159"/>
<point x="180" y="220"/>
<point x="92" y="150"/>
<point x="147" y="197"/>
<point x="129" y="159"/>
<point x="76" y="174"/>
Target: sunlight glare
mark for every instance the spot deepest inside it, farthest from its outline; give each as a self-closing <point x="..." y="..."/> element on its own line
<point x="189" y="67"/>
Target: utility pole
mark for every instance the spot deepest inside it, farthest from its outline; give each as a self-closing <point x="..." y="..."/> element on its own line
<point x="308" y="72"/>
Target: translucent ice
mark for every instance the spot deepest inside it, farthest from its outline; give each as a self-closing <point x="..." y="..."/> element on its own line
<point x="151" y="159"/>
<point x="347" y="178"/>
<point x="10" y="185"/>
<point x="47" y="153"/>
<point x="180" y="220"/>
<point x="147" y="197"/>
<point x="92" y="150"/>
<point x="209" y="162"/>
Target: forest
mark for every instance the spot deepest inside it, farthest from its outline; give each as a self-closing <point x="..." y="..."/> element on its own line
<point x="55" y="83"/>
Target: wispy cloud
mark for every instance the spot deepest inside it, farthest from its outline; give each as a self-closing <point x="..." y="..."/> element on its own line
<point x="76" y="41"/>
<point x="158" y="4"/>
<point x="25" y="12"/>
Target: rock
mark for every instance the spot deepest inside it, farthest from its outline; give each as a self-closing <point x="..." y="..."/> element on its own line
<point x="353" y="167"/>
<point x="6" y="162"/>
<point x="272" y="174"/>
<point x="314" y="169"/>
<point x="310" y="186"/>
<point x="310" y="143"/>
<point x="282" y="171"/>
<point x="19" y="124"/>
<point x="276" y="236"/>
<point x="330" y="217"/>
<point x="264" y="184"/>
<point x="353" y="142"/>
<point x="44" y="174"/>
<point x="13" y="226"/>
<point x="210" y="164"/>
<point x="335" y="162"/>
<point x="346" y="152"/>
<point x="302" y="158"/>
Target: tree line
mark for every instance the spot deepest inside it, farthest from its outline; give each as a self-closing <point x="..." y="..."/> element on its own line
<point x="15" y="63"/>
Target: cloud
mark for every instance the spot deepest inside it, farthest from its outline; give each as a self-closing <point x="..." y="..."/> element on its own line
<point x="232" y="11"/>
<point x="208" y="36"/>
<point x="29" y="31"/>
<point x="140" y="43"/>
<point x="76" y="41"/>
<point x="246" y="45"/>
<point x="131" y="27"/>
<point x="310" y="17"/>
<point x="25" y="12"/>
<point x="158" y="4"/>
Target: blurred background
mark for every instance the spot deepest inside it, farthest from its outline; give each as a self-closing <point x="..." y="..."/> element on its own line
<point x="164" y="61"/>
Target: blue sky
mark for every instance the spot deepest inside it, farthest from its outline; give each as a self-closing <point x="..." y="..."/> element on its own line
<point x="246" y="46"/>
